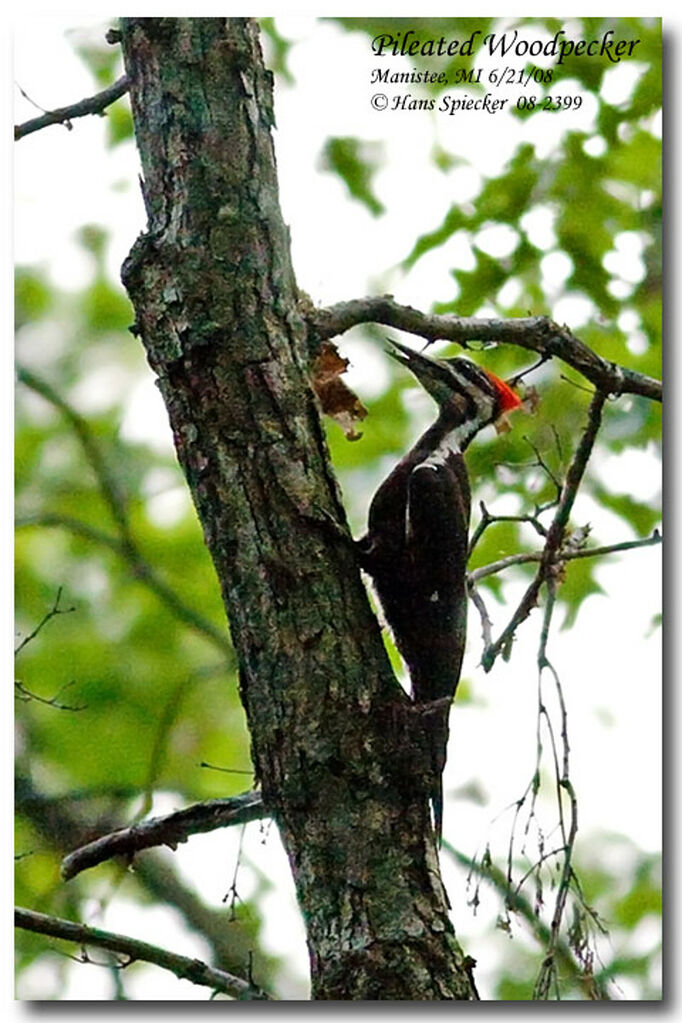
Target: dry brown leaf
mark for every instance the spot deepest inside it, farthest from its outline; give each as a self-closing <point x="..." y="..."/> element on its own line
<point x="502" y="425"/>
<point x="531" y="400"/>
<point x="335" y="397"/>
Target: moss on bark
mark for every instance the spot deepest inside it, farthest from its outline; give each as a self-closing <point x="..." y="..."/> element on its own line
<point x="334" y="745"/>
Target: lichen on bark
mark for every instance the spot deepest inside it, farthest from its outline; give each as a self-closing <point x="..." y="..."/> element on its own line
<point x="333" y="741"/>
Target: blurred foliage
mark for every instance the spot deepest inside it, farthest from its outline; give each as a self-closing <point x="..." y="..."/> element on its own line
<point x="277" y="49"/>
<point x="105" y="63"/>
<point x="351" y="159"/>
<point x="597" y="205"/>
<point x="154" y="690"/>
<point x="618" y="954"/>
<point x="121" y="698"/>
<point x="102" y="59"/>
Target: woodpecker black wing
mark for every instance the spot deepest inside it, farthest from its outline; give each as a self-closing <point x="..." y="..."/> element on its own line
<point x="416" y="551"/>
<point x="436" y="536"/>
<point x="416" y="544"/>
<point x="436" y="530"/>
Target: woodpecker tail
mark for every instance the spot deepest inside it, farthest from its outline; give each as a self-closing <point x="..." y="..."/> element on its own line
<point x="435" y="723"/>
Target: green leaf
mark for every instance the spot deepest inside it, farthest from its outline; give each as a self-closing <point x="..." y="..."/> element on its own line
<point x="637" y="161"/>
<point x="105" y="307"/>
<point x="32" y="295"/>
<point x="280" y="47"/>
<point x="455" y="219"/>
<point x="578" y="585"/>
<point x="642" y="517"/>
<point x="643" y="899"/>
<point x="101" y="59"/>
<point x="356" y="163"/>
<point x="475" y="285"/>
<point x="119" y="123"/>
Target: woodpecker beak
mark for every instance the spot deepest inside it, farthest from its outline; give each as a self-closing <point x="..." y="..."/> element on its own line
<point x="409" y="357"/>
<point x="434" y="377"/>
<point x="440" y="381"/>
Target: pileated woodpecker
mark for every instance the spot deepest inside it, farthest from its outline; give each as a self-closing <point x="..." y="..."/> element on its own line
<point x="415" y="548"/>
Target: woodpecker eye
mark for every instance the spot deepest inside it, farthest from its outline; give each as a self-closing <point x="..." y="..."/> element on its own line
<point x="473" y="375"/>
<point x="474" y="384"/>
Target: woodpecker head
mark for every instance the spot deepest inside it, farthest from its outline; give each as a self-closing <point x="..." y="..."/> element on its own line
<point x="486" y="397"/>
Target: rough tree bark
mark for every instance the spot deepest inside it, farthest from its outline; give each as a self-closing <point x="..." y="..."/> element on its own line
<point x="333" y="741"/>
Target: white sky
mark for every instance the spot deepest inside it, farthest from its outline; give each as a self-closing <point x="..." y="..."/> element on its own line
<point x="610" y="669"/>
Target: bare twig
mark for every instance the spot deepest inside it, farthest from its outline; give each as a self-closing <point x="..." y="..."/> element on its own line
<point x="182" y="966"/>
<point x="171" y="830"/>
<point x="96" y="104"/>
<point x="225" y="770"/>
<point x="543" y="712"/>
<point x="486" y="624"/>
<point x="535" y="333"/>
<point x="563" y="555"/>
<point x="518" y="377"/>
<point x="536" y="557"/>
<point x="548" y="974"/>
<point x="52" y="613"/>
<point x="555" y="533"/>
<point x="538" y="863"/>
<point x="541" y="463"/>
<point x="517" y="902"/>
<point x="548" y="969"/>
<point x="232" y="894"/>
<point x="488" y="519"/>
<point x="22" y="693"/>
<point x="578" y="943"/>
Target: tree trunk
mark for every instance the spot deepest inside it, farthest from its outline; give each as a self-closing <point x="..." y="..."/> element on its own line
<point x="335" y="745"/>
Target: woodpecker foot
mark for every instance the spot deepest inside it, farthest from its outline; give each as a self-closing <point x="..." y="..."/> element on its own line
<point x="327" y="524"/>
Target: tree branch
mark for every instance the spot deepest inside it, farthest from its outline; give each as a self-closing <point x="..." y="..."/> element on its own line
<point x="537" y="556"/>
<point x="224" y="333"/>
<point x="219" y="813"/>
<point x="22" y="693"/>
<point x="55" y="520"/>
<point x="548" y="969"/>
<point x="555" y="533"/>
<point x="171" y="830"/>
<point x="52" y="613"/>
<point x="96" y="104"/>
<point x="516" y="902"/>
<point x="141" y="571"/>
<point x="535" y="333"/>
<point x="487" y="520"/>
<point x="182" y="966"/>
<point x="479" y="604"/>
<point x="125" y="543"/>
<point x="63" y="822"/>
<point x="107" y="482"/>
